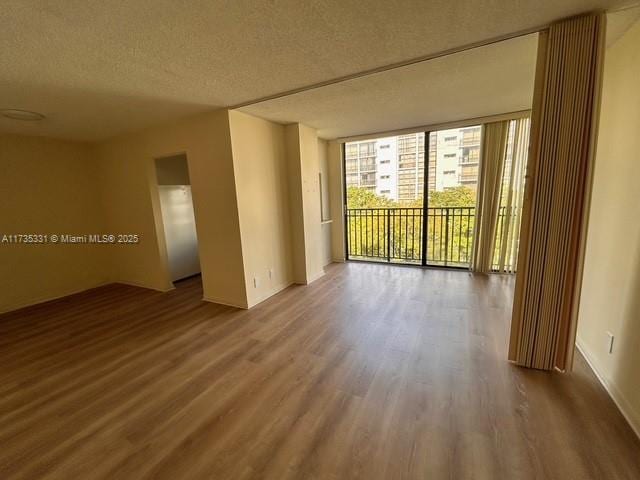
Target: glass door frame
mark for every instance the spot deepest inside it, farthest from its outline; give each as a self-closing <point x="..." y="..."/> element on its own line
<point x="425" y="211"/>
<point x="425" y="204"/>
<point x="425" y="200"/>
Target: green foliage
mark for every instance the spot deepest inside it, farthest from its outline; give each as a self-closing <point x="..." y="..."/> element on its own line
<point x="453" y="197"/>
<point x="358" y="197"/>
<point x="450" y="231"/>
<point x="462" y="196"/>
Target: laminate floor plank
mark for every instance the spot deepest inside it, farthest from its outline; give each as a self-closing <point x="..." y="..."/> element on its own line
<point x="371" y="372"/>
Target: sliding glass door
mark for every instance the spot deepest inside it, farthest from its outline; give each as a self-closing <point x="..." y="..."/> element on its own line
<point x="389" y="218"/>
<point x="452" y="180"/>
<point x="384" y="192"/>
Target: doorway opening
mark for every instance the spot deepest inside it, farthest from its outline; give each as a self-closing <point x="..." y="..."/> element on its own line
<point x="178" y="219"/>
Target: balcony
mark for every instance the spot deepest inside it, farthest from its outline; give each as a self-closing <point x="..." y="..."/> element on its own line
<point x="394" y="235"/>
<point x="473" y="141"/>
<point x="466" y="179"/>
<point x="407" y="165"/>
<point x="470" y="161"/>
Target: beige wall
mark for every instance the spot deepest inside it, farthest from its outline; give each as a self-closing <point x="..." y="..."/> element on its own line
<point x="336" y="193"/>
<point x="255" y="187"/>
<point x="50" y="187"/>
<point x="304" y="197"/>
<point x="323" y="165"/>
<point x="296" y="217"/>
<point x="610" y="298"/>
<point x="131" y="202"/>
<point x="263" y="204"/>
<point x="310" y="167"/>
<point x="172" y="170"/>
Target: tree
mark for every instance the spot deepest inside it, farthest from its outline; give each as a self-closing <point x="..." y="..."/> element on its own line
<point x="461" y="196"/>
<point x="358" y="197"/>
<point x="449" y="229"/>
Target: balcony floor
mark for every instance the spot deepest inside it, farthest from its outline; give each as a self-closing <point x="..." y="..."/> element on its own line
<point x="372" y="372"/>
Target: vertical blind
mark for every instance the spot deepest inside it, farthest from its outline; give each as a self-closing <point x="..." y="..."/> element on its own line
<point x="567" y="86"/>
<point x="503" y="161"/>
<point x="492" y="156"/>
<point x="511" y="196"/>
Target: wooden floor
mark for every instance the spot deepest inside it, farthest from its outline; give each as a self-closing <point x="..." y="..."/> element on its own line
<point x="371" y="372"/>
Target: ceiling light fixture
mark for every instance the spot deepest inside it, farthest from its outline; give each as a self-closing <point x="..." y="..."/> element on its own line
<point x="24" y="115"/>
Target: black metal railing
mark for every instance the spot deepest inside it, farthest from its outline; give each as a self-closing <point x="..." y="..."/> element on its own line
<point x="450" y="235"/>
<point x="387" y="234"/>
<point x="395" y="234"/>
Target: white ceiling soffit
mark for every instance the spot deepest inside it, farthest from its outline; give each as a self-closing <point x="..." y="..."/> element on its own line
<point x="97" y="69"/>
<point x="483" y="81"/>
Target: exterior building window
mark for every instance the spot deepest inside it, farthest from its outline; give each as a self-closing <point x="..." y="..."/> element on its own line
<point x="368" y="149"/>
<point x="406" y="192"/>
<point x="470" y="155"/>
<point x="471" y="136"/>
<point x="406" y="172"/>
<point x="368" y="164"/>
<point x="351" y="166"/>
<point x="368" y="179"/>
<point x="469" y="174"/>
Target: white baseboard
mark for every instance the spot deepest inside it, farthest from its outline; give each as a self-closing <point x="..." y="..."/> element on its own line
<point x="628" y="412"/>
<point x="224" y="302"/>
<point x="270" y="293"/>
<point x="315" y="276"/>
<point x="140" y="285"/>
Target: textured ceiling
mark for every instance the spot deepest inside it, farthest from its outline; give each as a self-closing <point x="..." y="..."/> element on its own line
<point x="100" y="68"/>
<point x="493" y="79"/>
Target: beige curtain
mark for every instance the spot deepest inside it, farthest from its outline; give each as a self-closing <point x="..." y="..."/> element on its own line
<point x="552" y="240"/>
<point x="492" y="156"/>
<point x="511" y="197"/>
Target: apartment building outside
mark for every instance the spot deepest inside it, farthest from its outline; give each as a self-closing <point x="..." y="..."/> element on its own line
<point x="393" y="167"/>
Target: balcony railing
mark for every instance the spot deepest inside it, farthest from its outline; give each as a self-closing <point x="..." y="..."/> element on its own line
<point x="467" y="160"/>
<point x="468" y="178"/>
<point x="470" y="141"/>
<point x="395" y="234"/>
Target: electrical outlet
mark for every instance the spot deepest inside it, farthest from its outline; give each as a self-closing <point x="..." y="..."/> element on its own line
<point x="610" y="338"/>
<point x="255" y="282"/>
